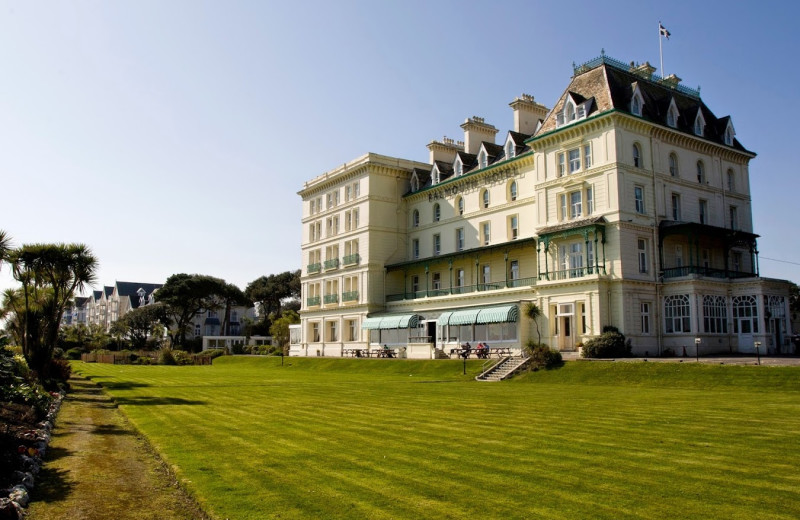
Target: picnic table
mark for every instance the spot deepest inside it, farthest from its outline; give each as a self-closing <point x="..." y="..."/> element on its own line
<point x="481" y="353"/>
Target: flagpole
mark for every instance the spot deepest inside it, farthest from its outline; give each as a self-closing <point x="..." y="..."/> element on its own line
<point x="660" y="52"/>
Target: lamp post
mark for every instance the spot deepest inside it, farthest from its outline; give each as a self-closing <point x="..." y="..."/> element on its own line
<point x="697" y="342"/>
<point x="757" y="344"/>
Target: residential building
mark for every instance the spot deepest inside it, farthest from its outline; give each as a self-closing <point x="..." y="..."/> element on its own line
<point x="627" y="204"/>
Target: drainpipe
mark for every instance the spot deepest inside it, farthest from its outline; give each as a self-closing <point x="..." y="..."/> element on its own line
<point x="656" y="322"/>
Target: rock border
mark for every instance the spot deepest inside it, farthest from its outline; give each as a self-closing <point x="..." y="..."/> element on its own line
<point x="31" y="453"/>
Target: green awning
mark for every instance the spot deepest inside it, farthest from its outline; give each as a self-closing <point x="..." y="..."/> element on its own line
<point x="443" y="318"/>
<point x="465" y="316"/>
<point x="371" y="323"/>
<point x="392" y="321"/>
<point x="499" y="314"/>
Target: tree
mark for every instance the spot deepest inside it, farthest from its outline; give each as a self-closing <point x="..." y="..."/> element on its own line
<point x="184" y="295"/>
<point x="141" y="323"/>
<point x="794" y="299"/>
<point x="269" y="291"/>
<point x="5" y="246"/>
<point x="280" y="328"/>
<point x="50" y="275"/>
<point x="533" y="312"/>
<point x="231" y="296"/>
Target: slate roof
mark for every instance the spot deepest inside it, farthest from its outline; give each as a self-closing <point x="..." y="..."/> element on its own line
<point x="108" y="290"/>
<point x="612" y="88"/>
<point x="130" y="289"/>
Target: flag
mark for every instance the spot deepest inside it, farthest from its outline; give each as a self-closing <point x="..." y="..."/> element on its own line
<point x="662" y="30"/>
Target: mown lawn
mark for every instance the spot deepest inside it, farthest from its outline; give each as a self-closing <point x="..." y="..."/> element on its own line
<point x="323" y="438"/>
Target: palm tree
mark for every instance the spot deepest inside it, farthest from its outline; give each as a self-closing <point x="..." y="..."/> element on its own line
<point x="5" y="246"/>
<point x="533" y="312"/>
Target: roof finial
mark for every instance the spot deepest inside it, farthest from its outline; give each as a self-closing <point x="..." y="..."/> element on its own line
<point x="602" y="52"/>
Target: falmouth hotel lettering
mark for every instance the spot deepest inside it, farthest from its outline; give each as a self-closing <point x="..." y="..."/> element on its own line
<point x="467" y="186"/>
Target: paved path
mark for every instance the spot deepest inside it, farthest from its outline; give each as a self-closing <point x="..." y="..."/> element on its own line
<point x="97" y="467"/>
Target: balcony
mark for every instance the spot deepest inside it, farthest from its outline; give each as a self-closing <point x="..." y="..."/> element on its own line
<point x="314" y="268"/>
<point x="353" y="259"/>
<point x="313" y="301"/>
<point x="567" y="274"/>
<point x="463" y="289"/>
<point x="350" y="296"/>
<point x="686" y="270"/>
<point x="332" y="264"/>
<point x="331" y="298"/>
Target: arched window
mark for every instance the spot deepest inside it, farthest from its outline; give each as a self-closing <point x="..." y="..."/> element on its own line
<point x="485" y="198"/>
<point x="509" y="149"/>
<point x="729" y="136"/>
<point x="459" y="168"/>
<point x="745" y="315"/>
<point x="673" y="165"/>
<point x="570" y="115"/>
<point x="701" y="172"/>
<point x="677" y="314"/>
<point x="460" y="205"/>
<point x="414" y="183"/>
<point x="636" y="105"/>
<point x="672" y="114"/>
<point x="482" y="161"/>
<point x="437" y="212"/>
<point x="731" y="181"/>
<point x="512" y="190"/>
<point x="637" y="155"/>
<point x="699" y="124"/>
<point x="415" y="218"/>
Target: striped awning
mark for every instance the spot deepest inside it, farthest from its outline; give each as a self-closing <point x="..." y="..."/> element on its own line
<point x="499" y="314"/>
<point x="394" y="321"/>
<point x="464" y="316"/>
<point x="443" y="318"/>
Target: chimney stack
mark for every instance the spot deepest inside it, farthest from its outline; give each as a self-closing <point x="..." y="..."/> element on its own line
<point x="527" y="114"/>
<point x="476" y="130"/>
<point x="444" y="150"/>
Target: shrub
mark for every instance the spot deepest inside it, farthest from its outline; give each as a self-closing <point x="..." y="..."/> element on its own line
<point x="610" y="328"/>
<point x="238" y="348"/>
<point x="212" y="353"/>
<point x="73" y="353"/>
<point x="166" y="356"/>
<point x="183" y="358"/>
<point x="610" y="344"/>
<point x="543" y="356"/>
<point x="60" y="370"/>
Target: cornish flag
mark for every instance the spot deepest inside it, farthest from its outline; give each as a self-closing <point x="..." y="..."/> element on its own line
<point x="662" y="30"/>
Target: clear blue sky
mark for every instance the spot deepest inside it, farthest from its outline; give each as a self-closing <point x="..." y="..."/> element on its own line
<point x="173" y="136"/>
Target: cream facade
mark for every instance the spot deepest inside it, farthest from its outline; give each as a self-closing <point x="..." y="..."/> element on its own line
<point x="627" y="204"/>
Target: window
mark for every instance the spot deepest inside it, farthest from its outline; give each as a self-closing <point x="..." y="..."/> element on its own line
<point x="575" y="206"/>
<point x="485" y="198"/>
<point x="562" y="164"/>
<point x="563" y="198"/>
<point x="513" y="227"/>
<point x="731" y="181"/>
<point x="486" y="274"/>
<point x="699" y="123"/>
<point x="637" y="156"/>
<point x="352" y="330"/>
<point x="638" y="196"/>
<point x="676" y="207"/>
<point x="459" y="167"/>
<point x="486" y="233"/>
<point x="315" y="332"/>
<point x="356" y="189"/>
<point x="460" y="239"/>
<point x="729" y="135"/>
<point x="312" y="206"/>
<point x="510" y="149"/>
<point x="733" y="217"/>
<point x="437" y="212"/>
<point x="715" y="315"/>
<point x="415" y="248"/>
<point x="348" y="192"/>
<point x="351" y="251"/>
<point x="482" y="159"/>
<point x="513" y="270"/>
<point x="351" y="219"/>
<point x="574" y="160"/>
<point x="333" y="226"/>
<point x="706" y="258"/>
<point x="415" y="284"/>
<point x="672" y="115"/>
<point x="701" y="172"/>
<point x="587" y="156"/>
<point x="437" y="244"/>
<point x="460" y="205"/>
<point x="636" y="104"/>
<point x="673" y="165"/>
<point x="437" y="281"/>
<point x="678" y="255"/>
<point x="745" y="315"/>
<point x="677" y="314"/>
<point x="569" y="111"/>
<point x="459" y="278"/>
<point x="332" y="333"/>
<point x="703" y="211"/>
<point x="415" y="218"/>
<point x="570" y="258"/>
<point x="435" y="177"/>
<point x="736" y="260"/>
<point x="644" y="309"/>
<point x="641" y="246"/>
<point x="589" y="200"/>
<point x="512" y="190"/>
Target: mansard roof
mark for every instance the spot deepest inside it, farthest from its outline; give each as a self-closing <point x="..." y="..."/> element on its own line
<point x="612" y="85"/>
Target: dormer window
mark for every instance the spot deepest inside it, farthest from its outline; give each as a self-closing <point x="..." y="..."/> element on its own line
<point x="637" y="102"/>
<point x="573" y="111"/>
<point x="414" y="182"/>
<point x="729" y="134"/>
<point x="458" y="167"/>
<point x="482" y="159"/>
<point x="569" y="113"/>
<point x="435" y="175"/>
<point x="510" y="149"/>
<point x="699" y="123"/>
<point x="672" y="114"/>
